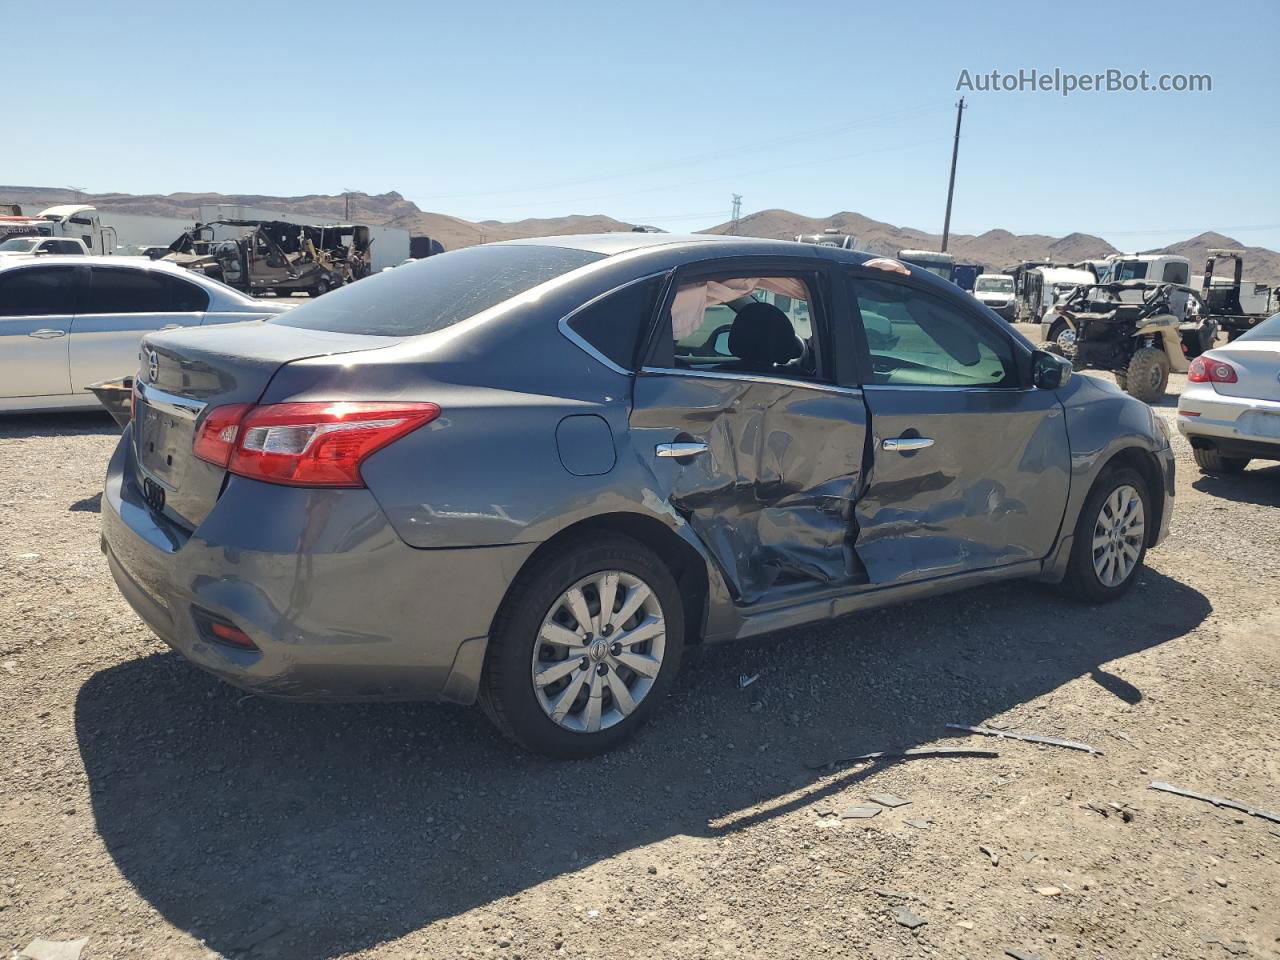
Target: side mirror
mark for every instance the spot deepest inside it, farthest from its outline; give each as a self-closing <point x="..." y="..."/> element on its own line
<point x="1048" y="370"/>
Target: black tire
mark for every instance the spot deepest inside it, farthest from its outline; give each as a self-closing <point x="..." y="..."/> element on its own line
<point x="506" y="690"/>
<point x="320" y="289"/>
<point x="1147" y="375"/>
<point x="1211" y="461"/>
<point x="1082" y="580"/>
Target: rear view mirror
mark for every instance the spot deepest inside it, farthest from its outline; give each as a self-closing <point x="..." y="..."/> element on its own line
<point x="1049" y="371"/>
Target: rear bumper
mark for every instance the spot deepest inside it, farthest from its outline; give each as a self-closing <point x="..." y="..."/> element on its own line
<point x="339" y="607"/>
<point x="1240" y="426"/>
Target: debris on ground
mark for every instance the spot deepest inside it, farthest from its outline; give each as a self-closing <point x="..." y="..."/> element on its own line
<point x="914" y="753"/>
<point x="1021" y="954"/>
<point x="991" y="855"/>
<point x="888" y="800"/>
<point x="905" y="918"/>
<point x="1029" y="737"/>
<point x="1049" y="891"/>
<point x="54" y="949"/>
<point x="1237" y="948"/>
<point x="861" y="811"/>
<point x="1216" y="801"/>
<point x="918" y="824"/>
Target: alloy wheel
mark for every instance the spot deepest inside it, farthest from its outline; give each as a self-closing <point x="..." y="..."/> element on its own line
<point x="1118" y="535"/>
<point x="599" y="651"/>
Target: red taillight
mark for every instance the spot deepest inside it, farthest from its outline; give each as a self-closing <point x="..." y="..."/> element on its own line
<point x="217" y="437"/>
<point x="305" y="444"/>
<point x="1208" y="370"/>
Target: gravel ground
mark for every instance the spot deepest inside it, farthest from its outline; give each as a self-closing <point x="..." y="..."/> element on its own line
<point x="161" y="813"/>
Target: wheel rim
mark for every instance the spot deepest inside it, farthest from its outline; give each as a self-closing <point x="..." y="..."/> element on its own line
<point x="599" y="651"/>
<point x="1067" y="338"/>
<point x="1117" y="536"/>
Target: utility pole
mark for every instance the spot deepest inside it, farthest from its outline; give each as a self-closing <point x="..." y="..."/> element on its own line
<point x="951" y="184"/>
<point x="346" y="204"/>
<point x="737" y="211"/>
<point x="78" y="191"/>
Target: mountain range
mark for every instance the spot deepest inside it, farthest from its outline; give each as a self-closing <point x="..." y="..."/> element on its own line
<point x="993" y="249"/>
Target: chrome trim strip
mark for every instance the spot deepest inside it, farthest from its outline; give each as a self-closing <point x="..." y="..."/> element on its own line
<point x="942" y="389"/>
<point x="754" y="378"/>
<point x="574" y="338"/>
<point x="171" y="403"/>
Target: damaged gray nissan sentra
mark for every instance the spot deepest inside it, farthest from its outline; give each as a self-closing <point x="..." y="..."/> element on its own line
<point x="531" y="473"/>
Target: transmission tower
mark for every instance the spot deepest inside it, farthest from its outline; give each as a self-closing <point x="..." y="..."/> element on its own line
<point x="737" y="211"/>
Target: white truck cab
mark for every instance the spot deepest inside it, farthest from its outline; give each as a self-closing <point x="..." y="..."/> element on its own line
<point x="76" y="221"/>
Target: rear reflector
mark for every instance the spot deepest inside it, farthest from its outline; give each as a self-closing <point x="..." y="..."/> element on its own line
<point x="306" y="444"/>
<point x="218" y="630"/>
<point x="1208" y="370"/>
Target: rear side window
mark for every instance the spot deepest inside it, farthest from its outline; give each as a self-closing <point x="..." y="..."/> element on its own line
<point x="432" y="294"/>
<point x="113" y="290"/>
<point x="37" y="291"/>
<point x="613" y="324"/>
<point x="1176" y="273"/>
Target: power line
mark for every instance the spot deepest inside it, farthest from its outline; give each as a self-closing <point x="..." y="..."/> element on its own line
<point x="719" y="179"/>
<point x="756" y="146"/>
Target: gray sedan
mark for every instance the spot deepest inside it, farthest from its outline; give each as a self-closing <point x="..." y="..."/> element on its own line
<point x="532" y="473"/>
<point x="69" y="321"/>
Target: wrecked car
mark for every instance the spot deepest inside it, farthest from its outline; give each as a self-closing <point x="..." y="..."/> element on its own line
<point x="275" y="257"/>
<point x="531" y="473"/>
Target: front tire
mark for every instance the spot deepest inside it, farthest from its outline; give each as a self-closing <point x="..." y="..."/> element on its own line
<point x="1147" y="375"/>
<point x="1110" y="538"/>
<point x="1211" y="461"/>
<point x="563" y="678"/>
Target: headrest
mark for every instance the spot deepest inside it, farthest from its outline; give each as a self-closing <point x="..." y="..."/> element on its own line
<point x="762" y="335"/>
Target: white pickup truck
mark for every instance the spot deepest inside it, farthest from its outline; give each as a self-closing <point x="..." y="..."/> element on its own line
<point x="36" y="246"/>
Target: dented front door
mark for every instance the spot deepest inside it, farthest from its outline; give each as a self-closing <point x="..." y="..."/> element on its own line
<point x="770" y="476"/>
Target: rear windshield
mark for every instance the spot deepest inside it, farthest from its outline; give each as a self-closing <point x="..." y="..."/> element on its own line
<point x="1268" y="329"/>
<point x="431" y="294"/>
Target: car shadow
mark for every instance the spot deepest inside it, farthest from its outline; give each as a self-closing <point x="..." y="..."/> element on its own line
<point x="1260" y="486"/>
<point x="57" y="424"/>
<point x="91" y="504"/>
<point x="308" y="831"/>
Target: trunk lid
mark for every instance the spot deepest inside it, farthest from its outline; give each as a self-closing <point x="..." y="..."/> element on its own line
<point x="1257" y="366"/>
<point x="183" y="374"/>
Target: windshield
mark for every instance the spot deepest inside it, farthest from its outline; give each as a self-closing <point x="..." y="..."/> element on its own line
<point x="1128" y="270"/>
<point x="18" y="245"/>
<point x="429" y="295"/>
<point x="993" y="285"/>
<point x="1268" y="329"/>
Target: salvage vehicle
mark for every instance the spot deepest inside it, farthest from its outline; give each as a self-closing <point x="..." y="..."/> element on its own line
<point x="38" y="246"/>
<point x="1225" y="299"/>
<point x="1040" y="288"/>
<point x="68" y="322"/>
<point x="939" y="264"/>
<point x="274" y="256"/>
<point x="532" y="473"/>
<point x="1230" y="409"/>
<point x="995" y="291"/>
<point x="1141" y="343"/>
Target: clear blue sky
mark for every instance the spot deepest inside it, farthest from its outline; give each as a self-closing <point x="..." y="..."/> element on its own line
<point x="657" y="111"/>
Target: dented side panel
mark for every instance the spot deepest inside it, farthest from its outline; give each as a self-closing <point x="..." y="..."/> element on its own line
<point x="990" y="491"/>
<point x="772" y="496"/>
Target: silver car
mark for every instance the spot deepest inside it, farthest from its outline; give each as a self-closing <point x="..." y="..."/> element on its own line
<point x="1230" y="409"/>
<point x="70" y="321"/>
<point x="531" y="473"/>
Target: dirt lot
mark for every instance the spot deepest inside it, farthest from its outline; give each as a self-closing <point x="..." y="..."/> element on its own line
<point x="163" y="814"/>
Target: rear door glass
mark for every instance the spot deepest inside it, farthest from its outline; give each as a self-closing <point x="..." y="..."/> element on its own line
<point x="116" y="290"/>
<point x="435" y="293"/>
<point x="613" y="324"/>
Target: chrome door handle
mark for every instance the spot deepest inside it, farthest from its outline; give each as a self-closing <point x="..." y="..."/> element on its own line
<point x="680" y="449"/>
<point x="47" y="333"/>
<point x="906" y="444"/>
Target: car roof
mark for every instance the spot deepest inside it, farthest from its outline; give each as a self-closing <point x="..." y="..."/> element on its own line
<point x="611" y="244"/>
<point x="136" y="263"/>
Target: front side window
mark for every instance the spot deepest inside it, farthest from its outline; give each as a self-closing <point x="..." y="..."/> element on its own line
<point x="917" y="339"/>
<point x="116" y="290"/>
<point x="37" y="291"/>
<point x="1129" y="270"/>
<point x="748" y="324"/>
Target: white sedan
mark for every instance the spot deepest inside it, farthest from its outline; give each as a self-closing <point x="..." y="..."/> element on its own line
<point x="69" y="321"/>
<point x="1230" y="409"/>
